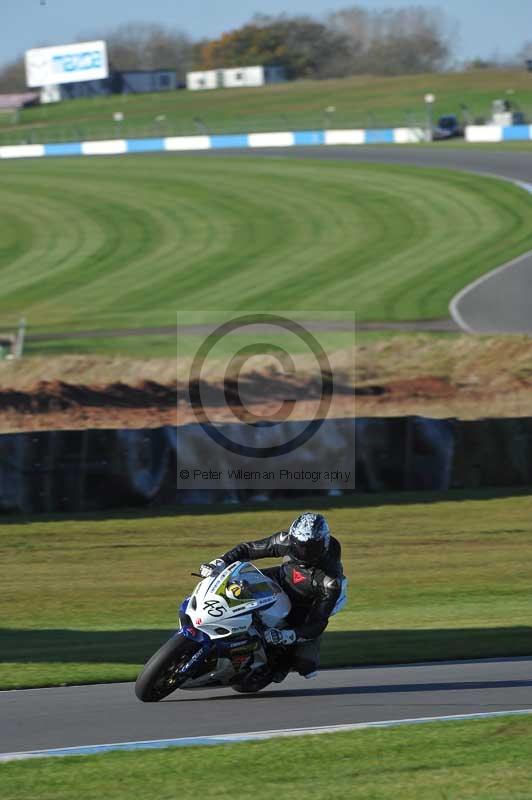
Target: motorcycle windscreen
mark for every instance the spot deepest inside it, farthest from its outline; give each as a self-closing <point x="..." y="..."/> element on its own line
<point x="245" y="582"/>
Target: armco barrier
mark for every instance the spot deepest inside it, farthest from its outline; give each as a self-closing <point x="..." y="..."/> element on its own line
<point x="184" y="143"/>
<point x="98" y="469"/>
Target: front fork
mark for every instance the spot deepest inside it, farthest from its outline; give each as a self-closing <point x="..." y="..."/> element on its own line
<point x="196" y="660"/>
<point x="205" y="648"/>
<point x="223" y="648"/>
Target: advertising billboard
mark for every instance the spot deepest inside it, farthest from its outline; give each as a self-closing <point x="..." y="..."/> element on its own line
<point x="70" y="63"/>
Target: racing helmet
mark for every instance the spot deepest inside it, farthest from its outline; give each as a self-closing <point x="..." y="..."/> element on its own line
<point x="309" y="537"/>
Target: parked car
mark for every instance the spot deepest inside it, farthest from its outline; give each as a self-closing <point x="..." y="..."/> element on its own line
<point x="447" y="127"/>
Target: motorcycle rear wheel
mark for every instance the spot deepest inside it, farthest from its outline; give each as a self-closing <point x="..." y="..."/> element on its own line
<point x="160" y="676"/>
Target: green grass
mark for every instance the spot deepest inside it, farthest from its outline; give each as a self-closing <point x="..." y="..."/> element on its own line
<point x="361" y="101"/>
<point x="115" y="243"/>
<point x="91" y="598"/>
<point x="474" y="760"/>
<point x="147" y="347"/>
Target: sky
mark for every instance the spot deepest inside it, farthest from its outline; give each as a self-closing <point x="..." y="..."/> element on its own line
<point x="485" y="27"/>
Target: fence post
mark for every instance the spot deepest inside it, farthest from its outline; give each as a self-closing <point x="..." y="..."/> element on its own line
<point x="19" y="341"/>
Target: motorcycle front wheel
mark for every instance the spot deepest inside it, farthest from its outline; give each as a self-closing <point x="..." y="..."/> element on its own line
<point x="160" y="676"/>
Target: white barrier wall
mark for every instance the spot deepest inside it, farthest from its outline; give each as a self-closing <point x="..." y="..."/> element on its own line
<point x="410" y="135"/>
<point x="345" y="137"/>
<point x="498" y="133"/>
<point x="271" y="139"/>
<point x="187" y="143"/>
<point x="483" y="133"/>
<point x="22" y="151"/>
<point x="474" y="133"/>
<point x="110" y="147"/>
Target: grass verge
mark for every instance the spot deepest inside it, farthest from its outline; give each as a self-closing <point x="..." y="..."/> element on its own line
<point x="120" y="243"/>
<point x="90" y="598"/>
<point x="359" y="102"/>
<point x="480" y="759"/>
<point x="434" y="375"/>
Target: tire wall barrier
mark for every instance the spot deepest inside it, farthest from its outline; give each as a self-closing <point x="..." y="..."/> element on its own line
<point x="98" y="469"/>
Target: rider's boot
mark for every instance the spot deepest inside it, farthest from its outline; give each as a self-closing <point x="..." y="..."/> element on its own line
<point x="280" y="674"/>
<point x="281" y="664"/>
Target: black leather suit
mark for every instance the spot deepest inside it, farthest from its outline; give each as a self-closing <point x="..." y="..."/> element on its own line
<point x="313" y="590"/>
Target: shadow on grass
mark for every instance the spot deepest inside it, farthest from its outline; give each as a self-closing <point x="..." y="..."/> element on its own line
<point x="359" y="500"/>
<point x="340" y="648"/>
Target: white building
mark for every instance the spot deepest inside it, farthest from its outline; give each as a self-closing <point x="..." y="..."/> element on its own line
<point x="235" y="78"/>
<point x="209" y="79"/>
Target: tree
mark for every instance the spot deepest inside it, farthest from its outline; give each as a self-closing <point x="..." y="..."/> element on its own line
<point x="13" y="77"/>
<point x="355" y="40"/>
<point x="132" y="46"/>
<point x="524" y="54"/>
<point x="140" y="45"/>
<point x="394" y="41"/>
<point x="303" y="46"/>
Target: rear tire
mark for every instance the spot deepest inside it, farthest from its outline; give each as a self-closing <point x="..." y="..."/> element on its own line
<point x="160" y="677"/>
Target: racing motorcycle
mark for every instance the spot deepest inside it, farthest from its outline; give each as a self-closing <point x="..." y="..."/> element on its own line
<point x="220" y="641"/>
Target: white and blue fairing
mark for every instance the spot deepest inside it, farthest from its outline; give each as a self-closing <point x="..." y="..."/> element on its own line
<point x="224" y="605"/>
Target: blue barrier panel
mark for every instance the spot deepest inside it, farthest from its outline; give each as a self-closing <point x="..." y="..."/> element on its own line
<point x="70" y="149"/>
<point x="144" y="145"/>
<point x="309" y="137"/>
<point x="516" y="133"/>
<point x="239" y="140"/>
<point x="380" y="137"/>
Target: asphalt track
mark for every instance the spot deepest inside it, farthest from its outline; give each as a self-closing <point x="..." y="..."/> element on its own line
<point x="500" y="302"/>
<point x="34" y="719"/>
<point x="512" y="165"/>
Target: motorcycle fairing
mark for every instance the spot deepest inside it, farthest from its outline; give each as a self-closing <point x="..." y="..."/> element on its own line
<point x="227" y="638"/>
<point x="214" y="610"/>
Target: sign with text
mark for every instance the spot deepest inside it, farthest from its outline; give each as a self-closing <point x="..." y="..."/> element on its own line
<point x="70" y="63"/>
<point x="265" y="401"/>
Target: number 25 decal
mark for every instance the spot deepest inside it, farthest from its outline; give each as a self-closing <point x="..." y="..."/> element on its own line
<point x="214" y="608"/>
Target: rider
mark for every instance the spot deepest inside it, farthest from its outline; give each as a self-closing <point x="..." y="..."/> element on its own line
<point x="311" y="575"/>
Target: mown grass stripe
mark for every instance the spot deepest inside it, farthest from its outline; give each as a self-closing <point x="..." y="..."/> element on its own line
<point x="127" y="243"/>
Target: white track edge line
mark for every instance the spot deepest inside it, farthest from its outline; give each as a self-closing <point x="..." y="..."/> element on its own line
<point x="228" y="738"/>
<point x="453" y="305"/>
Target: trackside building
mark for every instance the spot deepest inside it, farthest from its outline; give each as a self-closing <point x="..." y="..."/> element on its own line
<point x="234" y="78"/>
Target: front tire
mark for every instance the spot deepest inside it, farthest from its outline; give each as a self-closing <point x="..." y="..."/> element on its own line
<point x="160" y="677"/>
